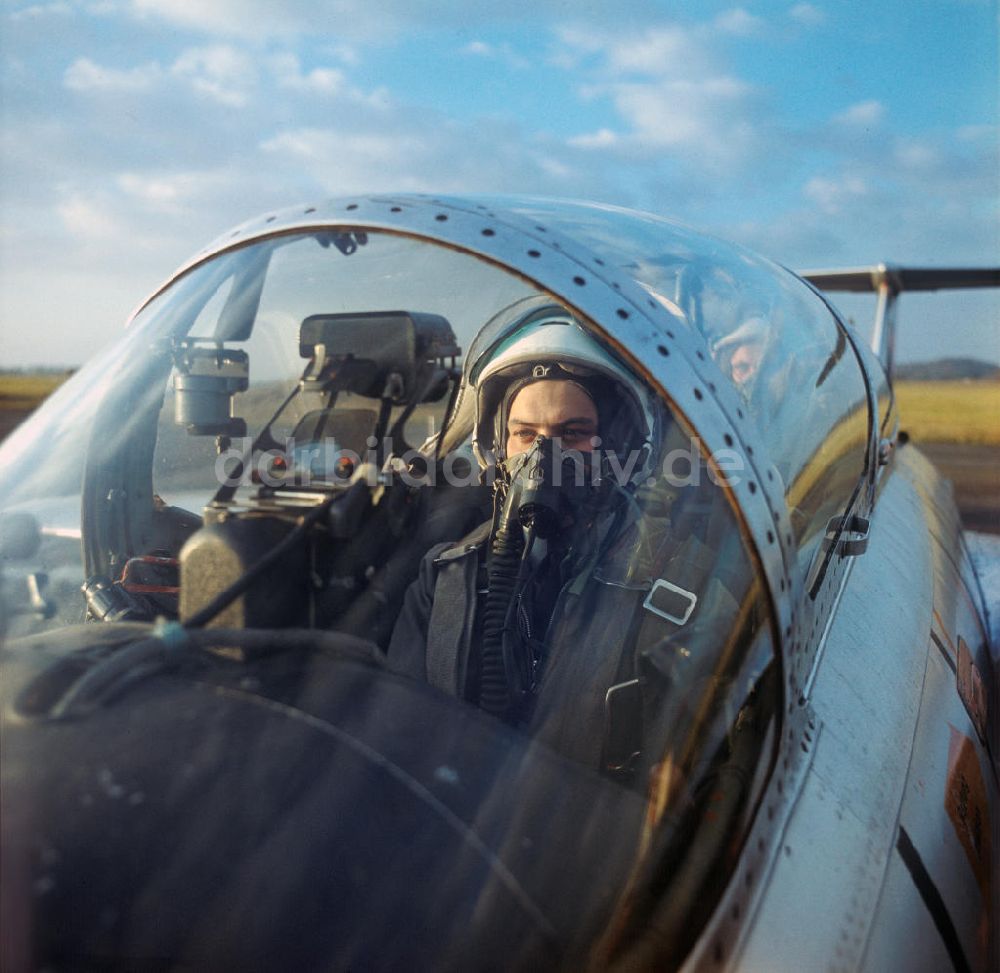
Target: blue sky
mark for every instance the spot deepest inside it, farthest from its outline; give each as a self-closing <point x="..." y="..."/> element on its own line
<point x="819" y="133"/>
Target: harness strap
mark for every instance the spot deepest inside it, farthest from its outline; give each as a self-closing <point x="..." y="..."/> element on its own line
<point x="449" y="629"/>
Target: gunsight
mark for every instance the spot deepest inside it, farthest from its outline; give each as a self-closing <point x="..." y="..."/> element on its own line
<point x="399" y="355"/>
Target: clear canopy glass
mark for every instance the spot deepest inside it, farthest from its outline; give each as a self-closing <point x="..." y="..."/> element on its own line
<point x="294" y="403"/>
<point x="769" y="333"/>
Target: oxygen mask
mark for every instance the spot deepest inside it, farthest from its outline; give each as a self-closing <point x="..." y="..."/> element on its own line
<point x="548" y="488"/>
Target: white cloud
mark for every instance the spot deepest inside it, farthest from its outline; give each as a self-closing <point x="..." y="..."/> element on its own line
<point x="87" y="218"/>
<point x="221" y="72"/>
<point x="917" y="155"/>
<point x="221" y="17"/>
<point x="478" y="49"/>
<point x="572" y="46"/>
<point x="833" y="195"/>
<point x="708" y="126"/>
<point x="979" y="133"/>
<point x="666" y="51"/>
<point x="39" y="10"/>
<point x="672" y="93"/>
<point x="554" y="167"/>
<point x="660" y="51"/>
<point x="160" y="193"/>
<point x="365" y="20"/>
<point x="808" y="15"/>
<point x="347" y="162"/>
<point x="307" y="144"/>
<point x="680" y="112"/>
<point x="496" y="52"/>
<point x="172" y="193"/>
<point x="346" y="54"/>
<point x="420" y="154"/>
<point x="603" y="138"/>
<point x="84" y="75"/>
<point x="266" y="20"/>
<point x="865" y="114"/>
<point x="739" y="22"/>
<point x="288" y="73"/>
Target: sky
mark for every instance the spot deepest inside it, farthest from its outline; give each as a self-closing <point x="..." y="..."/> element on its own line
<point x="826" y="133"/>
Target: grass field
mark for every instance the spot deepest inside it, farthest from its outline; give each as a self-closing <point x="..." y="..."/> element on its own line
<point x="956" y="411"/>
<point x="22" y="392"/>
<point x="956" y="425"/>
<point x="950" y="412"/>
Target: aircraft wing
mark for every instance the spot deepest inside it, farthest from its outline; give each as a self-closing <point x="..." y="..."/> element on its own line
<point x="864" y="279"/>
<point x="888" y="282"/>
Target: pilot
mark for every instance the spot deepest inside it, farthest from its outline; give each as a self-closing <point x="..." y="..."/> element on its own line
<point x="741" y="352"/>
<point x="565" y="431"/>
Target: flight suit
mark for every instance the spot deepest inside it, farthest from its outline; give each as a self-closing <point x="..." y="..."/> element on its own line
<point x="598" y="633"/>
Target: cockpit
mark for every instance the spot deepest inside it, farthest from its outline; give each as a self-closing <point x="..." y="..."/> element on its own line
<point x="296" y="472"/>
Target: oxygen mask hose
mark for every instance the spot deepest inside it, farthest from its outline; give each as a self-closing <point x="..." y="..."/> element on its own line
<point x="529" y="507"/>
<point x="506" y="550"/>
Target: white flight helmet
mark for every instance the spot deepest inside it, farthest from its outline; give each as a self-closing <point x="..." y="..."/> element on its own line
<point x="548" y="343"/>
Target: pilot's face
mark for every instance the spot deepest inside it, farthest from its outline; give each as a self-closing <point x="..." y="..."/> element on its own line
<point x="745" y="362"/>
<point x="559" y="410"/>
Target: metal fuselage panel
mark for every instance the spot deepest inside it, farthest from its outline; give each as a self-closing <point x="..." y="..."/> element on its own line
<point x="946" y="841"/>
<point x="879" y="868"/>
